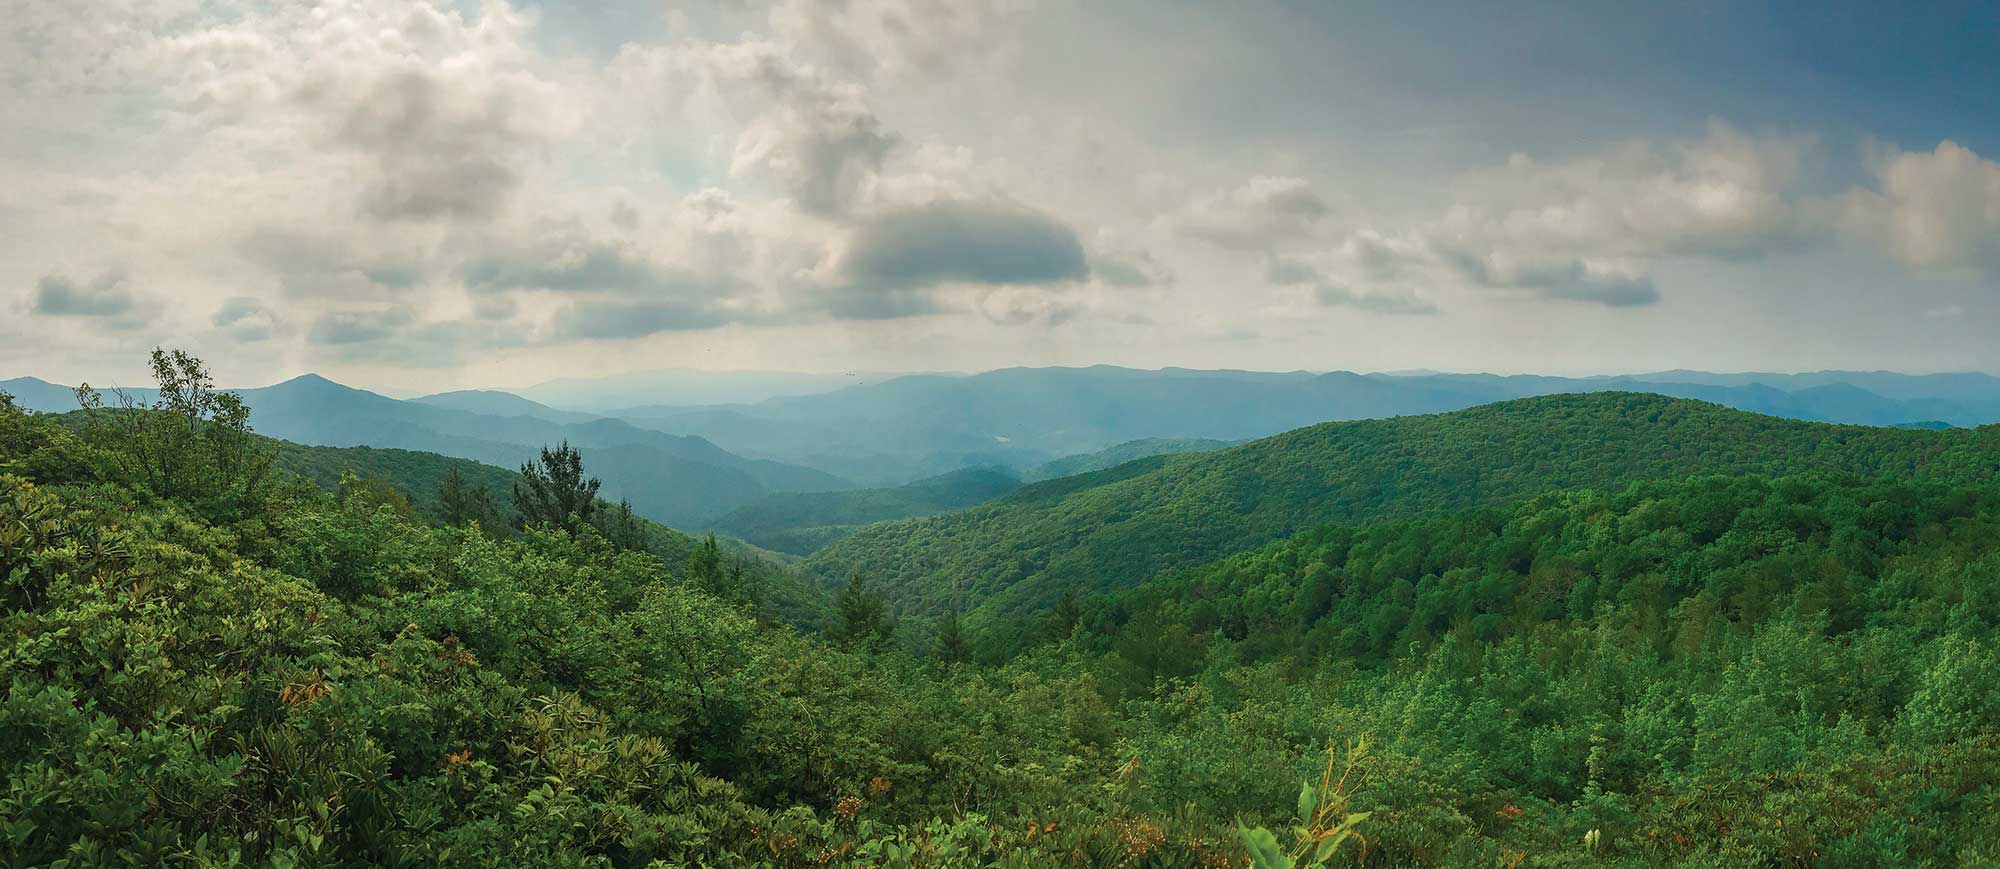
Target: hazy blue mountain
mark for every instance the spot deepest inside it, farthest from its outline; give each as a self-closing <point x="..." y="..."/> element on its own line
<point x="1021" y="418"/>
<point x="678" y="480"/>
<point x="1112" y="457"/>
<point x="39" y="395"/>
<point x="801" y="522"/>
<point x="493" y="402"/>
<point x="686" y="386"/>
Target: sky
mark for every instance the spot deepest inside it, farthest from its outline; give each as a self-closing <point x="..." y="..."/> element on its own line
<point x="438" y="195"/>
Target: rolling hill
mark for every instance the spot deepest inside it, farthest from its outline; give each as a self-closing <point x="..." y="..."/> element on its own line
<point x="801" y="522"/>
<point x="916" y="426"/>
<point x="1120" y="527"/>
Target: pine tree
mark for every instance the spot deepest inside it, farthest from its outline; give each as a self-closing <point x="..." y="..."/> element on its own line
<point x="864" y="620"/>
<point x="951" y="647"/>
<point x="461" y="502"/>
<point x="705" y="567"/>
<point x="553" y="490"/>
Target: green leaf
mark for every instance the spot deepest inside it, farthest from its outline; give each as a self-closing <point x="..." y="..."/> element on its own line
<point x="1263" y="848"/>
<point x="1307" y="802"/>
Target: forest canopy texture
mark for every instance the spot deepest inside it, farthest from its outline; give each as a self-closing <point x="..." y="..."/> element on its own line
<point x="1575" y="630"/>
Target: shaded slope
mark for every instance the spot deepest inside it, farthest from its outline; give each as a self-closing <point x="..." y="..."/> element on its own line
<point x="801" y="522"/>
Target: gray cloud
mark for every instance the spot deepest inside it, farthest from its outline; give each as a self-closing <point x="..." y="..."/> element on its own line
<point x="1572" y="280"/>
<point x="310" y="264"/>
<point x="1292" y="271"/>
<point x="359" y="327"/>
<point x="1373" y="302"/>
<point x="104" y="296"/>
<point x="597" y="319"/>
<point x="440" y="148"/>
<point x="586" y="267"/>
<point x="962" y="242"/>
<point x="245" y="319"/>
<point x="1264" y="213"/>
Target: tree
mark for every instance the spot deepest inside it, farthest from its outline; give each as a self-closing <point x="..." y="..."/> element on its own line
<point x="950" y="647"/>
<point x="705" y="566"/>
<point x="191" y="441"/>
<point x="863" y="618"/>
<point x="622" y="527"/>
<point x="461" y="502"/>
<point x="553" y="490"/>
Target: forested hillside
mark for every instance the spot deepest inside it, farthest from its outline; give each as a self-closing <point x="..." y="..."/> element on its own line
<point x="802" y="522"/>
<point x="1123" y="526"/>
<point x="207" y="661"/>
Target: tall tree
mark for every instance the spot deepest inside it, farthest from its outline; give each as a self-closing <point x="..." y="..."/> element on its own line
<point x="461" y="502"/>
<point x="863" y="617"/>
<point x="192" y="441"/>
<point x="553" y="490"/>
<point x="950" y="647"/>
<point x="705" y="566"/>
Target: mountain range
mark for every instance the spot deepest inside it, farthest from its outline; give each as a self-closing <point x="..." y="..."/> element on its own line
<point x="690" y="464"/>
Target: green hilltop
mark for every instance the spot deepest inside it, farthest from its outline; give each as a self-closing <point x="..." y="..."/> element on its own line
<point x="1120" y="527"/>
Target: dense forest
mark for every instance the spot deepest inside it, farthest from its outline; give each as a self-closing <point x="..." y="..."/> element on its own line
<point x="1593" y="630"/>
<point x="1115" y="528"/>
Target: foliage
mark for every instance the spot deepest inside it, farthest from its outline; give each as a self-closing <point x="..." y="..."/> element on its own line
<point x="553" y="490"/>
<point x="801" y="522"/>
<point x="1714" y="670"/>
<point x="1121" y="527"/>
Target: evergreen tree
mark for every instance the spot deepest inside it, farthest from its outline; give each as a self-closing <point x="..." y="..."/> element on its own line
<point x="951" y="647"/>
<point x="553" y="490"/>
<point x="461" y="502"/>
<point x="863" y="618"/>
<point x="622" y="527"/>
<point x="705" y="566"/>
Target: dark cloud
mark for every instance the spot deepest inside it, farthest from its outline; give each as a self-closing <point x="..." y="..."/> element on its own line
<point x="441" y="148"/>
<point x="359" y="327"/>
<point x="309" y="264"/>
<point x="1570" y="280"/>
<point x="633" y="319"/>
<point x="245" y="319"/>
<point x="105" y="296"/>
<point x="593" y="267"/>
<point x="962" y="242"/>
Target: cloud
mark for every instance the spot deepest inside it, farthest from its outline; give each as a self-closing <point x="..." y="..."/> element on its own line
<point x="817" y="140"/>
<point x="619" y="319"/>
<point x="1373" y="302"/>
<point x="359" y="327"/>
<point x="1933" y="211"/>
<point x="246" y="319"/>
<point x="1301" y="271"/>
<point x="1567" y="279"/>
<point x="347" y="261"/>
<point x="929" y="38"/>
<point x="1137" y="269"/>
<point x="1020" y="306"/>
<point x="103" y="297"/>
<point x="1264" y="213"/>
<point x="586" y="265"/>
<point x="961" y="242"/>
<point x="440" y="149"/>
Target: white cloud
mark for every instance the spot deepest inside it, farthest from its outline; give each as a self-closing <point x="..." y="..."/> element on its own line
<point x="1264" y="213"/>
<point x="1931" y="210"/>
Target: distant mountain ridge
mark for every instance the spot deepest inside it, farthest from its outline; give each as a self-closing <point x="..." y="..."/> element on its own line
<point x="678" y="480"/>
<point x="1020" y="418"/>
